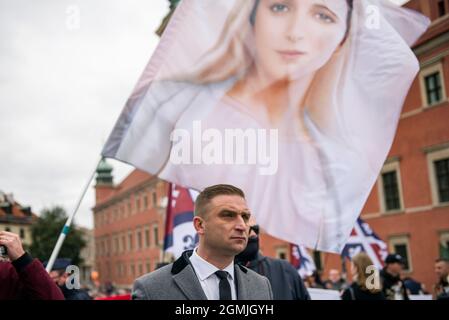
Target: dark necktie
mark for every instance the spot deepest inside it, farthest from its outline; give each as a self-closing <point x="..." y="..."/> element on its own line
<point x="225" y="288"/>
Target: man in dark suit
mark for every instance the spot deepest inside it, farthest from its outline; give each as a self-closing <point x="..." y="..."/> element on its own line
<point x="208" y="272"/>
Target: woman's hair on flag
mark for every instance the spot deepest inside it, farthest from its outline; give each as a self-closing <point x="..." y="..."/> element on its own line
<point x="233" y="53"/>
<point x="211" y="192"/>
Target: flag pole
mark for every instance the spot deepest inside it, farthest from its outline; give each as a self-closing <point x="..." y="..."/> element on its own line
<point x="167" y="218"/>
<point x="66" y="229"/>
<point x="343" y="268"/>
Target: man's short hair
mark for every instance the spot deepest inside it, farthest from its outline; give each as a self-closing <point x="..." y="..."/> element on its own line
<point x="446" y="260"/>
<point x="211" y="192"/>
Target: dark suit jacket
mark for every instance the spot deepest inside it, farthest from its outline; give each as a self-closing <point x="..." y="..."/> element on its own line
<point x="178" y="281"/>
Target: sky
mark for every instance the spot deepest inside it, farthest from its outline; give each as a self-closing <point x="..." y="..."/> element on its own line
<point x="67" y="69"/>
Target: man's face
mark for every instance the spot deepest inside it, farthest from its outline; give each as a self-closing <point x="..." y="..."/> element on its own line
<point x="442" y="270"/>
<point x="334" y="275"/>
<point x="225" y="227"/>
<point x="57" y="277"/>
<point x="395" y="268"/>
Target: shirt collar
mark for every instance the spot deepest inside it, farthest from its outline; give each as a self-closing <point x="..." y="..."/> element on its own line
<point x="205" y="269"/>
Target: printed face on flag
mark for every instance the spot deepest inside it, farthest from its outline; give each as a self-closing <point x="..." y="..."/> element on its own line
<point x="288" y="100"/>
<point x="302" y="261"/>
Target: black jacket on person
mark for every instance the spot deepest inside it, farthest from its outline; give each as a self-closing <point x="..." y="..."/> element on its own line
<point x="392" y="284"/>
<point x="355" y="292"/>
<point x="75" y="294"/>
<point x="443" y="290"/>
<point x="286" y="283"/>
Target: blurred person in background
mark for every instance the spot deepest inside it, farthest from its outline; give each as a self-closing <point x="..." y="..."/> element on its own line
<point x="335" y="281"/>
<point x="441" y="291"/>
<point x="60" y="276"/>
<point x="21" y="276"/>
<point x="363" y="287"/>
<point x="392" y="285"/>
<point x="285" y="280"/>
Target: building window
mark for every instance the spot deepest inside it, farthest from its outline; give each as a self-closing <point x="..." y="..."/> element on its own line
<point x="130" y="241"/>
<point x="444" y="245"/>
<point x="140" y="269"/>
<point x="438" y="164"/>
<point x="139" y="240"/>
<point x="22" y="233"/>
<point x="400" y="245"/>
<point x="281" y="253"/>
<point x="8" y="229"/>
<point x="137" y="204"/>
<point x="432" y="85"/>
<point x="148" y="265"/>
<point x="147" y="237"/>
<point x="156" y="234"/>
<point x="433" y="88"/>
<point x="108" y="247"/>
<point x="154" y="199"/>
<point x="116" y="245"/>
<point x="123" y="243"/>
<point x="145" y="202"/>
<point x="442" y="179"/>
<point x="390" y="189"/>
<point x="129" y="208"/>
<point x="102" y="250"/>
<point x="133" y="270"/>
<point x="441" y="8"/>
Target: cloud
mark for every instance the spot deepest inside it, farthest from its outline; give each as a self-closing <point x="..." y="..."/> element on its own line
<point x="67" y="69"/>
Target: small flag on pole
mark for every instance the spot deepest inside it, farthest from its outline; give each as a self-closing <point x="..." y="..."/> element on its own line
<point x="301" y="260"/>
<point x="363" y="239"/>
<point x="180" y="235"/>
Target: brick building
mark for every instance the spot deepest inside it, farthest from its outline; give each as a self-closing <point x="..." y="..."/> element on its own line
<point x="129" y="225"/>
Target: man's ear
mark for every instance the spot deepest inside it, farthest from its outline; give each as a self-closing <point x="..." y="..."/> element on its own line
<point x="198" y="224"/>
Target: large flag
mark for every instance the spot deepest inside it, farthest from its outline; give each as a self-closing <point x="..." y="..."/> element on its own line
<point x="302" y="260"/>
<point x="363" y="238"/>
<point x="300" y="119"/>
<point x="180" y="235"/>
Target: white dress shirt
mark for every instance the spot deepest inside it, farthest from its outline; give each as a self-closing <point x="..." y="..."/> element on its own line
<point x="208" y="279"/>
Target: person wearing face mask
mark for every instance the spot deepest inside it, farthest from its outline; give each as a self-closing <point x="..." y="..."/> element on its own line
<point x="286" y="283"/>
<point x="60" y="276"/>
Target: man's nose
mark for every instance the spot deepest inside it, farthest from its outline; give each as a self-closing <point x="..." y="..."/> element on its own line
<point x="241" y="224"/>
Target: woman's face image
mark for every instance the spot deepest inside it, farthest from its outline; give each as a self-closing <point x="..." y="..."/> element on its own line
<point x="294" y="38"/>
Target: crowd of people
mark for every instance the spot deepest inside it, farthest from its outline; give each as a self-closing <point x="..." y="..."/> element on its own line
<point x="365" y="282"/>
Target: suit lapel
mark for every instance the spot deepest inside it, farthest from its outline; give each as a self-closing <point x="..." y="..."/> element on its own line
<point x="241" y="283"/>
<point x="189" y="284"/>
